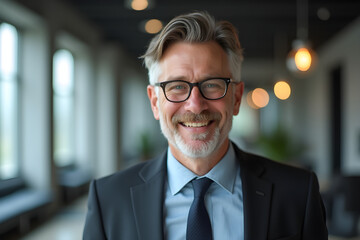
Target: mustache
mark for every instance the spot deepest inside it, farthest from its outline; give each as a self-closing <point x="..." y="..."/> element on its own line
<point x="192" y="117"/>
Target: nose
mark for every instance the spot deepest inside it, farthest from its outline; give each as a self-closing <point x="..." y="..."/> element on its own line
<point x="196" y="103"/>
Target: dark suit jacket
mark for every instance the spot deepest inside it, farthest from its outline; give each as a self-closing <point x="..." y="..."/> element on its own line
<point x="280" y="202"/>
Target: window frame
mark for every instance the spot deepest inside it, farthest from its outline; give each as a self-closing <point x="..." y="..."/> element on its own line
<point x="17" y="180"/>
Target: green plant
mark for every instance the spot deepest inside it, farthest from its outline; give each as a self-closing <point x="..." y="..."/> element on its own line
<point x="279" y="145"/>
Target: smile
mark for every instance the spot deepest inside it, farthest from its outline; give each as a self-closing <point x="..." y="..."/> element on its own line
<point x="195" y="124"/>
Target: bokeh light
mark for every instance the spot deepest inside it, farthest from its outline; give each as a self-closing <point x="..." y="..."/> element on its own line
<point x="260" y="97"/>
<point x="139" y="5"/>
<point x="282" y="90"/>
<point x="153" y="26"/>
<point x="250" y="101"/>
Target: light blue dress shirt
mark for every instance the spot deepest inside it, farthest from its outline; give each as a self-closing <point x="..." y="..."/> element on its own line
<point x="223" y="200"/>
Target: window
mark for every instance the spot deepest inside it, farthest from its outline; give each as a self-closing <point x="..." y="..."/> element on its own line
<point x="64" y="109"/>
<point x="9" y="162"/>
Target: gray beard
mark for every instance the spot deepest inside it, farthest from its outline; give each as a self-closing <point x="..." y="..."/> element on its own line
<point x="202" y="151"/>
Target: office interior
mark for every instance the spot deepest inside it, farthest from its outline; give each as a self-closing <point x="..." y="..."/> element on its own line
<point x="74" y="107"/>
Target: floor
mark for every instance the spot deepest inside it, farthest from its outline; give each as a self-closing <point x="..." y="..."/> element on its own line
<point x="67" y="225"/>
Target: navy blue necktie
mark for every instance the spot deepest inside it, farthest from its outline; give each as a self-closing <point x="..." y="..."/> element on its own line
<point x="198" y="224"/>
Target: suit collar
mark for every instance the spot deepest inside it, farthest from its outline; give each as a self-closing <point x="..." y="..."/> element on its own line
<point x="223" y="173"/>
<point x="257" y="194"/>
<point x="148" y="197"/>
<point x="154" y="167"/>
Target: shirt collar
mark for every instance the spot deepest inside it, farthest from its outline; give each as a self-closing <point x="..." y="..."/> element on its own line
<point x="223" y="173"/>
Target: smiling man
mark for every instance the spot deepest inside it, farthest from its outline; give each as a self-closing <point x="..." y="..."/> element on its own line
<point x="196" y="119"/>
<point x="203" y="186"/>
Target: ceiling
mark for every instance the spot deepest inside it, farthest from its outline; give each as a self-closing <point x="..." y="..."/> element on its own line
<point x="266" y="28"/>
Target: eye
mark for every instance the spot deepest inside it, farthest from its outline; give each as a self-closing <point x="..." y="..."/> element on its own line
<point x="211" y="85"/>
<point x="176" y="87"/>
<point x="179" y="87"/>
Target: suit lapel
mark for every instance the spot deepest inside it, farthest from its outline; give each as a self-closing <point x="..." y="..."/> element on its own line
<point x="147" y="200"/>
<point x="257" y="197"/>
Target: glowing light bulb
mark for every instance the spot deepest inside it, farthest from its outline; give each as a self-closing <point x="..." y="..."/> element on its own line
<point x="303" y="59"/>
<point x="260" y="97"/>
<point x="282" y="90"/>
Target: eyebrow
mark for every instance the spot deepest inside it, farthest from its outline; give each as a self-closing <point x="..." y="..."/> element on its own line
<point x="182" y="77"/>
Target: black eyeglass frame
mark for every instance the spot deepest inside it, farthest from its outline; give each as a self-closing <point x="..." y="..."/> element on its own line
<point x="196" y="84"/>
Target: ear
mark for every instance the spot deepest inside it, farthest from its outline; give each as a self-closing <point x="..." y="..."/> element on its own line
<point x="153" y="101"/>
<point x="239" y="90"/>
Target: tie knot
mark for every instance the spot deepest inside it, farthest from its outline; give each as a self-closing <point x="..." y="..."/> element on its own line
<point x="201" y="186"/>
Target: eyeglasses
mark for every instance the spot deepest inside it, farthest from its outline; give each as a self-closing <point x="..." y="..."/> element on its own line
<point x="179" y="91"/>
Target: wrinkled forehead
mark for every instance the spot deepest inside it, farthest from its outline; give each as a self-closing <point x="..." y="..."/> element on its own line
<point x="190" y="60"/>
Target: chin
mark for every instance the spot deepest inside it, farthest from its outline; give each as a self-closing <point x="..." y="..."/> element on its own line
<point x="201" y="149"/>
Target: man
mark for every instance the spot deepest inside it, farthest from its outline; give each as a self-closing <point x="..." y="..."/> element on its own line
<point x="195" y="89"/>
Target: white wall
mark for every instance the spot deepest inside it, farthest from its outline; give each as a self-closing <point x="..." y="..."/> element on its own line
<point x="313" y="116"/>
<point x="85" y="96"/>
<point x="137" y="118"/>
<point x="107" y="160"/>
<point x="345" y="49"/>
<point x="35" y="90"/>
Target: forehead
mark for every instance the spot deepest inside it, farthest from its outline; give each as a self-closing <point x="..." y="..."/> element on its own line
<point x="194" y="60"/>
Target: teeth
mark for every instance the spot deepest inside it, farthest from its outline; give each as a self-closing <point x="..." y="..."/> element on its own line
<point x="196" y="124"/>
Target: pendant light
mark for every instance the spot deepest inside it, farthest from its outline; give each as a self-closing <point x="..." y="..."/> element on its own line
<point x="301" y="58"/>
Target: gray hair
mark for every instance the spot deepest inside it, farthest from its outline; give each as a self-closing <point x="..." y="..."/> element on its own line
<point x="195" y="27"/>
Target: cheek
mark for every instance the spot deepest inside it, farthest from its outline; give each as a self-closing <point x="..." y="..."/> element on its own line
<point x="167" y="109"/>
<point x="226" y="110"/>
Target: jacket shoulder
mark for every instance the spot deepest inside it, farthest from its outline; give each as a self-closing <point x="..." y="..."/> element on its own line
<point x="272" y="170"/>
<point x="127" y="175"/>
<point x="134" y="175"/>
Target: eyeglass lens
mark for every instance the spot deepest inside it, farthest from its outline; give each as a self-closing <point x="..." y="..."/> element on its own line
<point x="210" y="89"/>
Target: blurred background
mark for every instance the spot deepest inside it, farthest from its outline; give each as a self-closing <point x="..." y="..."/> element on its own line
<point x="73" y="103"/>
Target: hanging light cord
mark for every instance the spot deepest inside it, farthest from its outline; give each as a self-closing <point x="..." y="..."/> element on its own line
<point x="302" y="19"/>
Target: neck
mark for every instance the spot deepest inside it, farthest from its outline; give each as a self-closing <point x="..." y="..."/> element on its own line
<point x="201" y="166"/>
